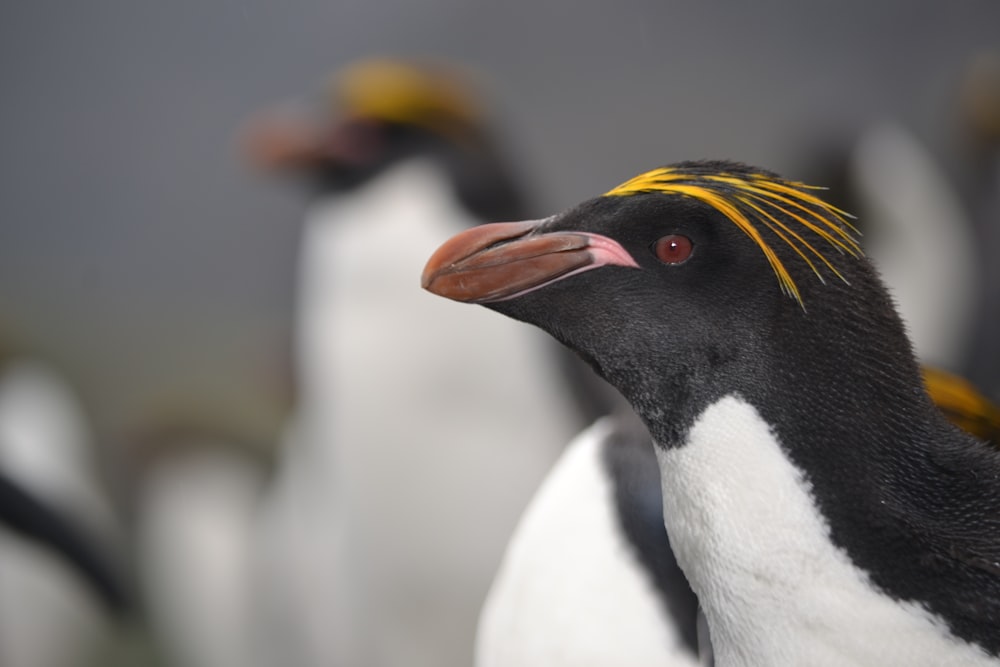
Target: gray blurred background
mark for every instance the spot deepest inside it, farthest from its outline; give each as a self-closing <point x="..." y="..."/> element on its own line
<point x="139" y="255"/>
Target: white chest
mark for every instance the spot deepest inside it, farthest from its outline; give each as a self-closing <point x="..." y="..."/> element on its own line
<point x="429" y="422"/>
<point x="362" y="256"/>
<point x="745" y="528"/>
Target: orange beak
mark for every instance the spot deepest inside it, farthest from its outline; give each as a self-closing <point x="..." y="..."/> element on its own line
<point x="504" y="260"/>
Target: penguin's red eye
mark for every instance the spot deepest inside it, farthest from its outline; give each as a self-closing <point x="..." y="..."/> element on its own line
<point x="673" y="249"/>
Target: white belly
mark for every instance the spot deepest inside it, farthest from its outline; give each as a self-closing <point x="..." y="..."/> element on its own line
<point x="434" y="421"/>
<point x="196" y="520"/>
<point x="749" y="537"/>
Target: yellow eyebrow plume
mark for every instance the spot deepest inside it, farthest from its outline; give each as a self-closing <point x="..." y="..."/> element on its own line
<point x="756" y="201"/>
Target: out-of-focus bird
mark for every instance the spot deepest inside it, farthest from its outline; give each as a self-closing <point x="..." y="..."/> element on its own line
<point x="60" y="574"/>
<point x="980" y="106"/>
<point x="824" y="511"/>
<point x="588" y="577"/>
<point x="195" y="498"/>
<point x="383" y="560"/>
<point x="920" y="238"/>
<point x="47" y="527"/>
<point x="931" y="223"/>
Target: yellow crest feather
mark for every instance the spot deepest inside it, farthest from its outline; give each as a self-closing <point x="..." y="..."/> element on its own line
<point x="755" y="201"/>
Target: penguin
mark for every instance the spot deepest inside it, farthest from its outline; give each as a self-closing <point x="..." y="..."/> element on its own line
<point x="32" y="518"/>
<point x="980" y="113"/>
<point x="588" y="577"/>
<point x="194" y="497"/>
<point x="62" y="578"/>
<point x="380" y="564"/>
<point x="822" y="509"/>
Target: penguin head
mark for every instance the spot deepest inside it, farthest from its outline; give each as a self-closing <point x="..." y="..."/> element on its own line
<point x="687" y="278"/>
<point x="379" y="112"/>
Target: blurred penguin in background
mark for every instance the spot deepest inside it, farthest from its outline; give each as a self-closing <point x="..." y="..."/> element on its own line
<point x="920" y="238"/>
<point x="980" y="107"/>
<point x="400" y="482"/>
<point x="932" y="226"/>
<point x="196" y="498"/>
<point x="60" y="580"/>
<point x="195" y="515"/>
<point x="588" y="578"/>
<point x="915" y="230"/>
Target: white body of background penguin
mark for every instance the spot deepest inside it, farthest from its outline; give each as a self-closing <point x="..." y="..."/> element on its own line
<point x="387" y="560"/>
<point x="48" y="615"/>
<point x="196" y="515"/>
<point x="823" y="509"/>
<point x="981" y="189"/>
<point x="928" y="226"/>
<point x="588" y="578"/>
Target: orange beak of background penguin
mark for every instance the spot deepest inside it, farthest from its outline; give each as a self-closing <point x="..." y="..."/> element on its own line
<point x="504" y="260"/>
